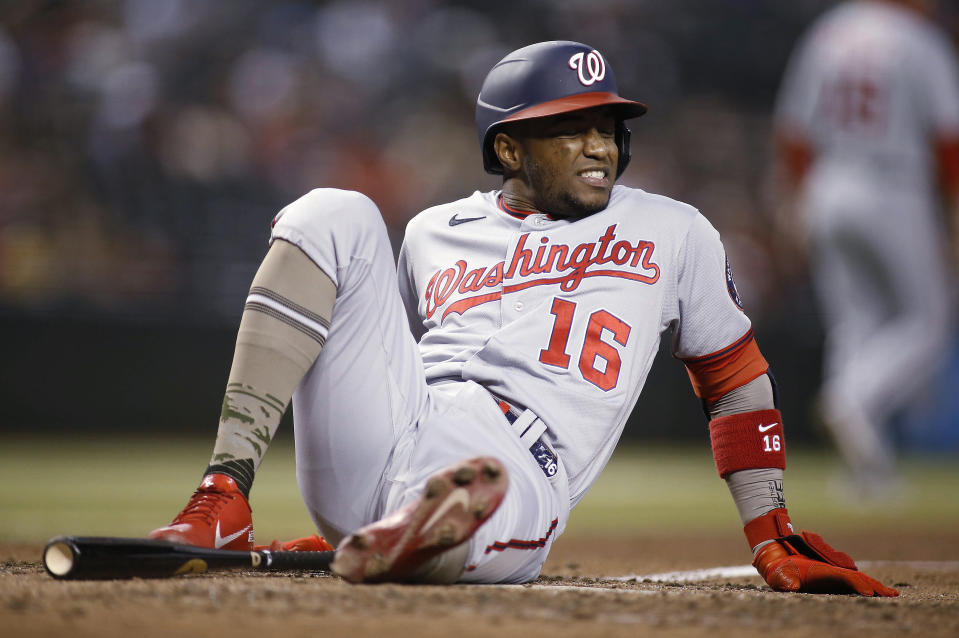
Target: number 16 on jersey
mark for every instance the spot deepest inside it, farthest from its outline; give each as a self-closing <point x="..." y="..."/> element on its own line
<point x="599" y="360"/>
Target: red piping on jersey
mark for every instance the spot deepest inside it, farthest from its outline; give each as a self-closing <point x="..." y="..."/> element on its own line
<point x="728" y="350"/>
<point x="646" y="279"/>
<point x="513" y="543"/>
<point x="515" y="212"/>
<point x="461" y="306"/>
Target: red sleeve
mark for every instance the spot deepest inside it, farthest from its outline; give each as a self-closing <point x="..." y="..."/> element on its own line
<point x="795" y="156"/>
<point x="713" y="375"/>
<point x="947" y="160"/>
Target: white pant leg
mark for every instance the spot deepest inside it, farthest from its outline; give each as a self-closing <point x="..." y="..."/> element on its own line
<point x="882" y="283"/>
<point x="904" y="355"/>
<point x="464" y="421"/>
<point x="355" y="410"/>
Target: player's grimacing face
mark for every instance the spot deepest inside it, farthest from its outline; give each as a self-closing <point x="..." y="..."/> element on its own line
<point x="570" y="161"/>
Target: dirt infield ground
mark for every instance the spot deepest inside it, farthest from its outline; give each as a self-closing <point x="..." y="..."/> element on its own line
<point x="582" y="593"/>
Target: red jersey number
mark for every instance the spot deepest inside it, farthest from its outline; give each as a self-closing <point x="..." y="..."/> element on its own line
<point x="595" y="349"/>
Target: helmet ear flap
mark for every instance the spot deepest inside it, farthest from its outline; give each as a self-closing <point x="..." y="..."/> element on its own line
<point x="490" y="161"/>
<point x="622" y="142"/>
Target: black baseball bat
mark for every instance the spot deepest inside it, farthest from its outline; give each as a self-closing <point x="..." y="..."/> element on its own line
<point x="105" y="557"/>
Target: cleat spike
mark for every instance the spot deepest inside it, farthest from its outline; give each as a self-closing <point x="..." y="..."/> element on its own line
<point x="436" y="486"/>
<point x="464" y="475"/>
<point x="375" y="566"/>
<point x="359" y="541"/>
<point x="479" y="508"/>
<point x="491" y="471"/>
<point x="446" y="536"/>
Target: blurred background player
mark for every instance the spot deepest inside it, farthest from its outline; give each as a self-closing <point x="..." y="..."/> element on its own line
<point x="867" y="126"/>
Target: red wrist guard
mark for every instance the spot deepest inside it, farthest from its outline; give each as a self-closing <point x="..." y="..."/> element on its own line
<point x="748" y="441"/>
<point x="773" y="524"/>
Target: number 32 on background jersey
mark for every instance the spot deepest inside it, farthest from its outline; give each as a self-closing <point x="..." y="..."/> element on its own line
<point x="594" y="350"/>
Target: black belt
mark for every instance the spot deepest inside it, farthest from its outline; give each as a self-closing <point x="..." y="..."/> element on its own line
<point x="529" y="427"/>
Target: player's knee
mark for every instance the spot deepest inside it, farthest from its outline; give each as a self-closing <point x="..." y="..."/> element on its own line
<point x="332" y="222"/>
<point x="330" y="209"/>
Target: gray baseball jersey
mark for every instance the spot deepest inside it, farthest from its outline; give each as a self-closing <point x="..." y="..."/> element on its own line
<point x="564" y="318"/>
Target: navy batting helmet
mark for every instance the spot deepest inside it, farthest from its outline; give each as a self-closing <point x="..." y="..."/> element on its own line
<point x="546" y="79"/>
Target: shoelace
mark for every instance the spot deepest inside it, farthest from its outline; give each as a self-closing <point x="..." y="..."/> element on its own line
<point x="204" y="504"/>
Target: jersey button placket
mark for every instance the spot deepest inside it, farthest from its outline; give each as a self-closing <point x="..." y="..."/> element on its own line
<point x="516" y="304"/>
<point x="534" y="222"/>
<point x="512" y="306"/>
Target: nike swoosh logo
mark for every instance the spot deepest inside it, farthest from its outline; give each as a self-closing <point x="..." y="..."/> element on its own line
<point x="220" y="541"/>
<point x="765" y="428"/>
<point x="459" y="496"/>
<point x="456" y="221"/>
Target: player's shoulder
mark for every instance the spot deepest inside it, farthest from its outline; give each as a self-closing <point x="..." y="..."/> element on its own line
<point x="835" y="27"/>
<point x="929" y="40"/>
<point x="658" y="206"/>
<point x="885" y="22"/>
<point x="476" y="204"/>
<point x="666" y="216"/>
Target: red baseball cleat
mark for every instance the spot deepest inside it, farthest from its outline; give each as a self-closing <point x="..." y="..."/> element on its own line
<point x="218" y="516"/>
<point x="455" y="502"/>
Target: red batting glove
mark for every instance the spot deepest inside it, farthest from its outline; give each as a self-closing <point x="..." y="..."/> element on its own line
<point x="308" y="544"/>
<point x="805" y="562"/>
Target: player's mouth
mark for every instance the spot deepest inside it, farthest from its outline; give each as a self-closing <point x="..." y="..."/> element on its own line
<point x="598" y="177"/>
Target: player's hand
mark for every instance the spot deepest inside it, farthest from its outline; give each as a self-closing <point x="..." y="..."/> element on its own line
<point x="806" y="563"/>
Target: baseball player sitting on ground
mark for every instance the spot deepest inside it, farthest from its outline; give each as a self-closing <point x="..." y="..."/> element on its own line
<point x="538" y="309"/>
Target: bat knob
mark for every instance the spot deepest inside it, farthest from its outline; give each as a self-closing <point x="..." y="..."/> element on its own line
<point x="59" y="557"/>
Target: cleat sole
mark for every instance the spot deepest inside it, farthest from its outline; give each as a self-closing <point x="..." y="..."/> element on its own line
<point x="451" y="508"/>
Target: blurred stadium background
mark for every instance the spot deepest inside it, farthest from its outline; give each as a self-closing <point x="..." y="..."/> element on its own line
<point x="146" y="144"/>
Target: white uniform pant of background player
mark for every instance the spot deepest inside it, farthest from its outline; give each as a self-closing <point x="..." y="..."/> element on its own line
<point x="368" y="429"/>
<point x="880" y="273"/>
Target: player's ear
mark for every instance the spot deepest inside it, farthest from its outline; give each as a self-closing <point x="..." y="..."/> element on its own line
<point x="508" y="151"/>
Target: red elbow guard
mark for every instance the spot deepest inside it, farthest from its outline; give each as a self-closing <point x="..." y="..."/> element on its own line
<point x="747" y="441"/>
